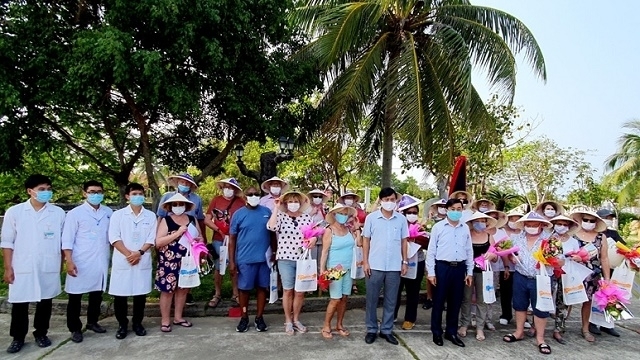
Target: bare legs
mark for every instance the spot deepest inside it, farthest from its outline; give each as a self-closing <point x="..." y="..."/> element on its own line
<point x="165" y="305"/>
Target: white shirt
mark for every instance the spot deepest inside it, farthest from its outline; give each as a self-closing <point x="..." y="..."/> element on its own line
<point x="449" y="243"/>
<point x="34" y="237"/>
<point x="86" y="234"/>
<point x="134" y="231"/>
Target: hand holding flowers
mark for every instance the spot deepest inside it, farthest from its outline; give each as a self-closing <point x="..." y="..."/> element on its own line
<point x="329" y="275"/>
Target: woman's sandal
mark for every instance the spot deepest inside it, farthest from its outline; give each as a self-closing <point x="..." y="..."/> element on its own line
<point x="587" y="336"/>
<point x="480" y="335"/>
<point x="462" y="331"/>
<point x="183" y="323"/>
<point x="544" y="349"/>
<point x="558" y="337"/>
<point x="214" y="302"/>
<point x="235" y="299"/>
<point x="354" y="289"/>
<point x="165" y="328"/>
<point x="510" y="338"/>
<point x="343" y="332"/>
<point x="327" y="334"/>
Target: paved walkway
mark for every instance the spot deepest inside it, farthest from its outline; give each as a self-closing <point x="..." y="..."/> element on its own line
<point x="215" y="338"/>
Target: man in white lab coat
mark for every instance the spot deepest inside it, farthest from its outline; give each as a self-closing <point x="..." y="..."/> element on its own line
<point x="132" y="232"/>
<point x="85" y="242"/>
<point x="30" y="241"/>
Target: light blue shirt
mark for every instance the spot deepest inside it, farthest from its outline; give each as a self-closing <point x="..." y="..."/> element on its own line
<point x="527" y="264"/>
<point x="385" y="234"/>
<point x="449" y="243"/>
<point x="196" y="211"/>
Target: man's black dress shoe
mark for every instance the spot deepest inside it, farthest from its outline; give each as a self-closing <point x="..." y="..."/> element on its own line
<point x="594" y="329"/>
<point x="122" y="332"/>
<point x="437" y="339"/>
<point x="612" y="332"/>
<point x="370" y="338"/>
<point x="454" y="339"/>
<point x="76" y="336"/>
<point x="139" y="330"/>
<point x="96" y="328"/>
<point x="390" y="338"/>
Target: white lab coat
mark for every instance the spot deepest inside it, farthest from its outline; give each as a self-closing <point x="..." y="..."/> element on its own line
<point x="34" y="237"/>
<point x="134" y="231"/>
<point x="86" y="234"/>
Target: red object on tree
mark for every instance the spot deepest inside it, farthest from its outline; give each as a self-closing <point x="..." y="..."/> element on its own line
<point x="459" y="175"/>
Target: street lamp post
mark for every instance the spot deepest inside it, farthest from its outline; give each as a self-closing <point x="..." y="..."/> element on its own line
<point x="268" y="161"/>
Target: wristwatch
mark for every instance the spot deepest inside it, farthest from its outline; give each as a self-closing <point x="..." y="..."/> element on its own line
<point x="141" y="252"/>
<point x="405" y="262"/>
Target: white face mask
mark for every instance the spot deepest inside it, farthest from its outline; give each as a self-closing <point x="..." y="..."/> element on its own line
<point x="512" y="225"/>
<point x="609" y="222"/>
<point x="412" y="218"/>
<point x="442" y="210"/>
<point x="317" y="200"/>
<point x="293" y="207"/>
<point x="388" y="205"/>
<point x="253" y="200"/>
<point x="561" y="229"/>
<point x="588" y="226"/>
<point x="549" y="213"/>
<point x="483" y="209"/>
<point x="348" y="202"/>
<point x="532" y="230"/>
<point x="275" y="190"/>
<point x="228" y="193"/>
<point x="178" y="210"/>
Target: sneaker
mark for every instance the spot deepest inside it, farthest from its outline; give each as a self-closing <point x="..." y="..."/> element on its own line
<point x="407" y="325"/>
<point x="527" y="325"/>
<point x="190" y="301"/>
<point x="504" y="321"/>
<point x="260" y="324"/>
<point x="490" y="327"/>
<point x="243" y="326"/>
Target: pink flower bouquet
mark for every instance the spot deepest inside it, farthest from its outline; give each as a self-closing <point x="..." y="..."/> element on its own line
<point x="416" y="230"/>
<point x="504" y="248"/>
<point x="611" y="300"/>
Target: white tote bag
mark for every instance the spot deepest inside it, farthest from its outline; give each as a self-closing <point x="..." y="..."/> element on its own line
<point x="544" y="297"/>
<point x="224" y="255"/>
<point x="412" y="267"/>
<point x="573" y="290"/>
<point x="188" y="276"/>
<point x="357" y="271"/>
<point x="273" y="285"/>
<point x="623" y="277"/>
<point x="597" y="318"/>
<point x="306" y="273"/>
<point x="488" y="289"/>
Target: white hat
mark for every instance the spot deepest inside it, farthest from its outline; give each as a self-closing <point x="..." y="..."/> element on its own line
<point x="475" y="204"/>
<point x="514" y="212"/>
<point x="173" y="180"/>
<point x="600" y="224"/>
<point x="348" y="193"/>
<point x="318" y="192"/>
<point x="459" y="192"/>
<point x="573" y="227"/>
<point x="331" y="215"/>
<point x="491" y="222"/>
<point x="502" y="217"/>
<point x="532" y="216"/>
<point x="434" y="207"/>
<point x="556" y="205"/>
<point x="284" y="184"/>
<point x="177" y="198"/>
<point x="230" y="181"/>
<point x="408" y="201"/>
<point x="304" y="202"/>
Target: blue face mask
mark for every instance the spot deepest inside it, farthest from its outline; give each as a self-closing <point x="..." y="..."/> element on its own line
<point x="341" y="218"/>
<point x="183" y="188"/>
<point x="479" y="226"/>
<point x="43" y="196"/>
<point x="454" y="215"/>
<point x="136" y="200"/>
<point x="95" y="199"/>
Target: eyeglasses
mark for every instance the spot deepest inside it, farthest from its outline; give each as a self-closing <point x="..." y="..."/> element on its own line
<point x="412" y="212"/>
<point x="252" y="194"/>
<point x="589" y="220"/>
<point x="94" y="192"/>
<point x="317" y="196"/>
<point x="294" y="220"/>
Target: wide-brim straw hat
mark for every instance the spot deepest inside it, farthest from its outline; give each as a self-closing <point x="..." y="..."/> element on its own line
<point x="349" y="193"/>
<point x="456" y="193"/>
<point x="573" y="227"/>
<point x="502" y="217"/>
<point x="304" y="201"/>
<point x="491" y="222"/>
<point x="600" y="224"/>
<point x="331" y="215"/>
<point x="173" y="180"/>
<point x="284" y="184"/>
<point x="318" y="192"/>
<point x="475" y="204"/>
<point x="408" y="201"/>
<point x="230" y="181"/>
<point x="166" y="205"/>
<point x="532" y="216"/>
<point x="514" y="212"/>
<point x="434" y="207"/>
<point x="559" y="208"/>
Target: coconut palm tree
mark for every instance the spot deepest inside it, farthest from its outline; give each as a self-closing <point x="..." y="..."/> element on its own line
<point x="403" y="67"/>
<point x="624" y="164"/>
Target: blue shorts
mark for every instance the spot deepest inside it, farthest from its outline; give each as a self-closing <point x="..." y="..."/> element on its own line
<point x="287" y="270"/>
<point x="525" y="293"/>
<point x="251" y="276"/>
<point x="338" y="288"/>
<point x="216" y="245"/>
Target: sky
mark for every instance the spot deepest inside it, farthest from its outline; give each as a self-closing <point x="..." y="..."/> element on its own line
<point x="592" y="53"/>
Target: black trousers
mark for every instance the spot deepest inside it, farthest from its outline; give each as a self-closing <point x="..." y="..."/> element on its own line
<point x="120" y="308"/>
<point x="450" y="290"/>
<point x="73" y="310"/>
<point x="506" y="295"/>
<point x="412" y="288"/>
<point x="20" y="319"/>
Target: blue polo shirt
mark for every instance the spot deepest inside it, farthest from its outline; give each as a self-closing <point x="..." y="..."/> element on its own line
<point x="386" y="234"/>
<point x="252" y="236"/>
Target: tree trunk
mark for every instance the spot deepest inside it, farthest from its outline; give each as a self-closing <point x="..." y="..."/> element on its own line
<point x="387" y="146"/>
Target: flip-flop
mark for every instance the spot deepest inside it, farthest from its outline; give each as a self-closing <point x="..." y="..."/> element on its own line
<point x="510" y="338"/>
<point x="327" y="334"/>
<point x="544" y="349"/>
<point x="343" y="332"/>
<point x="480" y="335"/>
<point x="183" y="323"/>
<point x="165" y="328"/>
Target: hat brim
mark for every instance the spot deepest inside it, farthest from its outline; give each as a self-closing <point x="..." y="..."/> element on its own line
<point x="330" y="218"/>
<point x="304" y="204"/>
<point x="521" y="221"/>
<point x="284" y="185"/>
<point x="341" y="198"/>
<point x="573" y="228"/>
<point x="173" y="181"/>
<point x="540" y="207"/>
<point x="325" y="197"/>
<point x="415" y="204"/>
<point x="502" y="219"/>
<point x="600" y="224"/>
<point x="166" y="205"/>
<point x="237" y="188"/>
<point x="492" y="205"/>
<point x="491" y="222"/>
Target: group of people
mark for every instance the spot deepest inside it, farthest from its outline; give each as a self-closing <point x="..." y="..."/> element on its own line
<point x="261" y="228"/>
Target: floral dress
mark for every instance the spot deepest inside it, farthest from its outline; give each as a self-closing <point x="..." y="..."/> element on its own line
<point x="591" y="282"/>
<point x="169" y="259"/>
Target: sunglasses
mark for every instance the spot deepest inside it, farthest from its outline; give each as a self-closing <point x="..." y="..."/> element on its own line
<point x="464" y="201"/>
<point x="412" y="212"/>
<point x="178" y="203"/>
<point x="589" y="220"/>
<point x="317" y="196"/>
<point x="252" y="194"/>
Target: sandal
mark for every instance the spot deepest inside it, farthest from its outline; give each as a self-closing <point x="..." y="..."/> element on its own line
<point x="587" y="336"/>
<point x="558" y="337"/>
<point x="480" y="335"/>
<point x="288" y="328"/>
<point x="214" y="302"/>
<point x="297" y="325"/>
<point x="165" y="328"/>
<point x="544" y="349"/>
<point x="327" y="334"/>
<point x="343" y="332"/>
<point x="235" y="299"/>
<point x="462" y="331"/>
<point x="354" y="289"/>
<point x="183" y="323"/>
<point x="510" y="338"/>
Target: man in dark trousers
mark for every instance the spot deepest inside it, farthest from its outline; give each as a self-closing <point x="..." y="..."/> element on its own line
<point x="450" y="267"/>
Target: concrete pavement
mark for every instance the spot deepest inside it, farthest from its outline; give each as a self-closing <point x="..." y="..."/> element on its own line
<point x="215" y="338"/>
